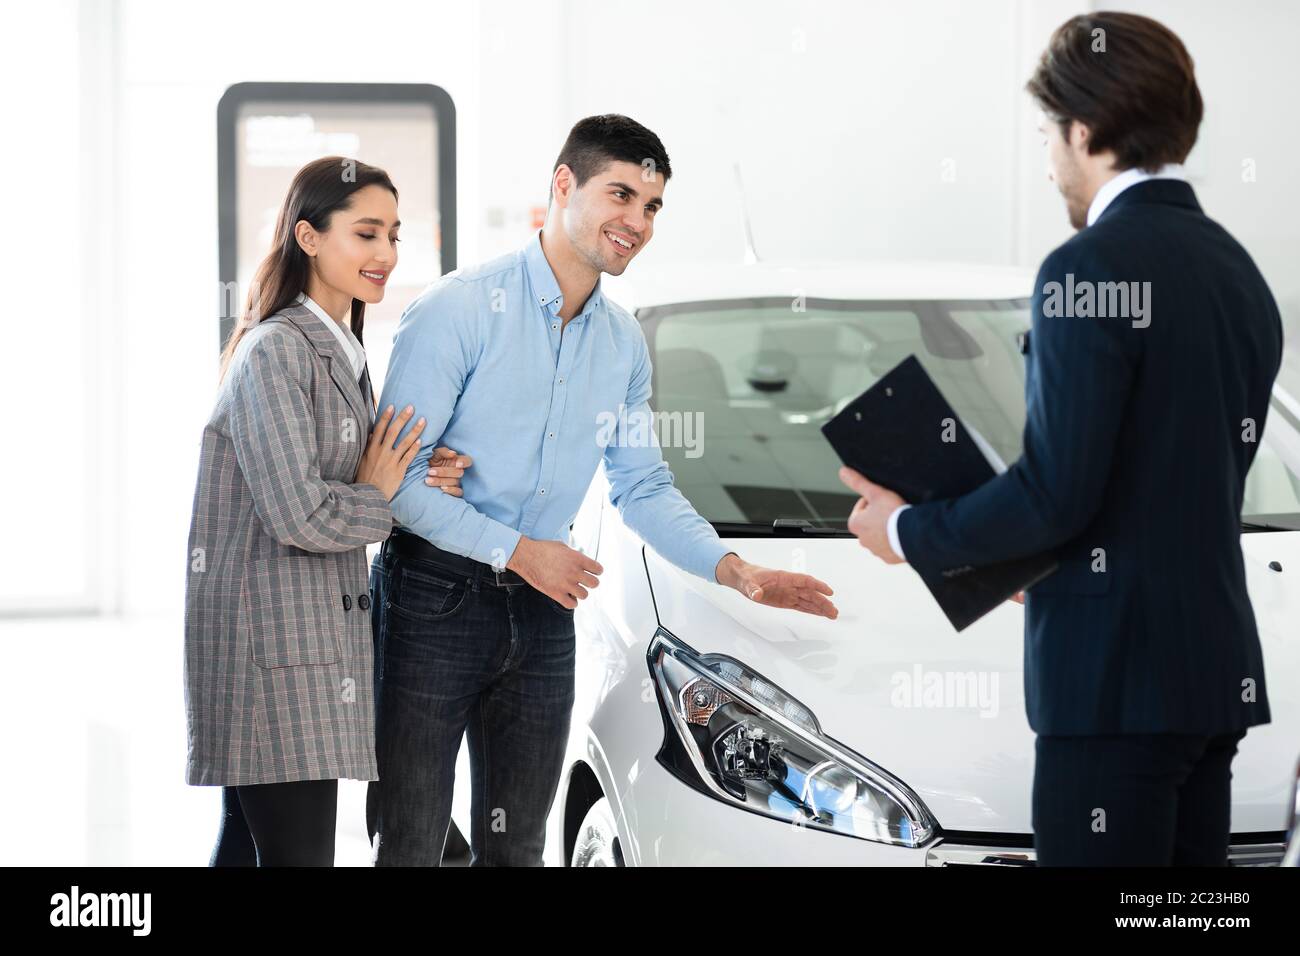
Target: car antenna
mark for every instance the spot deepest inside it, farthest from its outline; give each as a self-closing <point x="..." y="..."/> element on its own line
<point x="751" y="257"/>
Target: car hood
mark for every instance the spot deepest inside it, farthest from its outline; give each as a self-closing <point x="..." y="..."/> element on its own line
<point x="944" y="711"/>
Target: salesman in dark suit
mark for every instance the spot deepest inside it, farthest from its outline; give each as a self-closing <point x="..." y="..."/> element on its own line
<point x="1154" y="346"/>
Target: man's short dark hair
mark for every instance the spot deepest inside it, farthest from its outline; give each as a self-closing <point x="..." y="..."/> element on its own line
<point x="1129" y="79"/>
<point x="597" y="141"/>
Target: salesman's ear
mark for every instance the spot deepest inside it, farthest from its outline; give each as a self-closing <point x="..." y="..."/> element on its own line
<point x="1080" y="135"/>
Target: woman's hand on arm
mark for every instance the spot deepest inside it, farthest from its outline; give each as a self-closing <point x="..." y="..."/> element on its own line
<point x="385" y="460"/>
<point x="272" y="428"/>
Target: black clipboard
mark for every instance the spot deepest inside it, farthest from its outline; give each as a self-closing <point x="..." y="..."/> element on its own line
<point x="893" y="433"/>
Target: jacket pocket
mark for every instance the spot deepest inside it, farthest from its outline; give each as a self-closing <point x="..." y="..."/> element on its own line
<point x="1080" y="572"/>
<point x="295" y="610"/>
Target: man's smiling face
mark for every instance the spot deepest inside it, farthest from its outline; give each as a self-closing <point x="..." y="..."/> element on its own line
<point x="610" y="218"/>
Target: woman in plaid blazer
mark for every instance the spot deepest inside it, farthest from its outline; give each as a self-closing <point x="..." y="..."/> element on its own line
<point x="278" y="654"/>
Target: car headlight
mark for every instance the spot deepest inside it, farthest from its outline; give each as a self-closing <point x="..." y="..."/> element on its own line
<point x="734" y="735"/>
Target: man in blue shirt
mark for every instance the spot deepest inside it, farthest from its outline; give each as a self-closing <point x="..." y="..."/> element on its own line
<point x="518" y="364"/>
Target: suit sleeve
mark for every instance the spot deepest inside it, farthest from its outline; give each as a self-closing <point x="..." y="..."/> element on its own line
<point x="641" y="488"/>
<point x="1076" y="397"/>
<point x="273" y="430"/>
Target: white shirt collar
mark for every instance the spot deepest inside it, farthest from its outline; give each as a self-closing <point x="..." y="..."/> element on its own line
<point x="1113" y="187"/>
<point x="351" y="347"/>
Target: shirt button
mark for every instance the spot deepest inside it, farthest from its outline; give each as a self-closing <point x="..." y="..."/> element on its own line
<point x="542" y="492"/>
<point x="555" y="325"/>
<point x="550" y="434"/>
<point x="561" y="381"/>
<point x="347" y="602"/>
<point x="363" y="602"/>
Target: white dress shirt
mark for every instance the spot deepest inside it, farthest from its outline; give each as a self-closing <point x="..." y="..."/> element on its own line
<point x="1105" y="196"/>
<point x="891" y="528"/>
<point x="351" y="347"/>
<point x="1117" y="184"/>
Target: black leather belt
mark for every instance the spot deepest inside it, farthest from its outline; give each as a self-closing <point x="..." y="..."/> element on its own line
<point x="407" y="545"/>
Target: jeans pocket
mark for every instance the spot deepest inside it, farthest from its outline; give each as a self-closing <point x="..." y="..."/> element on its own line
<point x="425" y="596"/>
<point x="557" y="607"/>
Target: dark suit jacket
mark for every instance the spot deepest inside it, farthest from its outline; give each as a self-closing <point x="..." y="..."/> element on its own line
<point x="1136" y="446"/>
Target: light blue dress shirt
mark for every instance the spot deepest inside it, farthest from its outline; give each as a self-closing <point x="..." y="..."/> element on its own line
<point x="484" y="356"/>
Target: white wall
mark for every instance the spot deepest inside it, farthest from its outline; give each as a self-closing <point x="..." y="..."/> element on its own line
<point x="862" y="129"/>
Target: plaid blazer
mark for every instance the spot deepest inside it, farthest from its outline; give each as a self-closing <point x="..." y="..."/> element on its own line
<point x="278" y="653"/>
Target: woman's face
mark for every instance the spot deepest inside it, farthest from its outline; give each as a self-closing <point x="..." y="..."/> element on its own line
<point x="355" y="257"/>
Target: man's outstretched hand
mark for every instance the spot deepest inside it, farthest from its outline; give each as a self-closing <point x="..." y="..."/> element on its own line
<point x="788" y="589"/>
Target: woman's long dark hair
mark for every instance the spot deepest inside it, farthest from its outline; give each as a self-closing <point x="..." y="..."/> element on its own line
<point x="318" y="190"/>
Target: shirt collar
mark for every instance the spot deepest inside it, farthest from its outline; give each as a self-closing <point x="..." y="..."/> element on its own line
<point x="351" y="347"/>
<point x="1129" y="177"/>
<point x="542" y="279"/>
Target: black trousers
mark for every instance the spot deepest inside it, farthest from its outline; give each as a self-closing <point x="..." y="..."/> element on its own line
<point x="278" y="824"/>
<point x="1133" y="799"/>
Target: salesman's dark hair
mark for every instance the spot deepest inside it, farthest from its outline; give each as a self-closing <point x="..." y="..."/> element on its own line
<point x="318" y="190"/>
<point x="1129" y="79"/>
<point x="597" y="141"/>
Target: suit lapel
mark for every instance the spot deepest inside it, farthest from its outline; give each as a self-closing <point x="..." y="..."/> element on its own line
<point x="367" y="390"/>
<point x="340" y="366"/>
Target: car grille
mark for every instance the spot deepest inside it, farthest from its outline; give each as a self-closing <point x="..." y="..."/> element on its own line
<point x="991" y="849"/>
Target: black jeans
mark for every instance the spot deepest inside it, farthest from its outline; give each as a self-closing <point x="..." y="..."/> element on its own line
<point x="277" y="824"/>
<point x="458" y="654"/>
<point x="1134" y="800"/>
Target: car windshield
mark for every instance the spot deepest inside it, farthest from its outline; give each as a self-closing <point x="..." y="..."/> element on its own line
<point x="752" y="381"/>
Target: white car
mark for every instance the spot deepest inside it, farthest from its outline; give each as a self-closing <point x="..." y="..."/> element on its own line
<point x="1292" y="854"/>
<point x="709" y="730"/>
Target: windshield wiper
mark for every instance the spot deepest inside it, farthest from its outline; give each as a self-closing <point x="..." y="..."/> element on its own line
<point x="807" y="527"/>
<point x="780" y="528"/>
<point x="1262" y="526"/>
